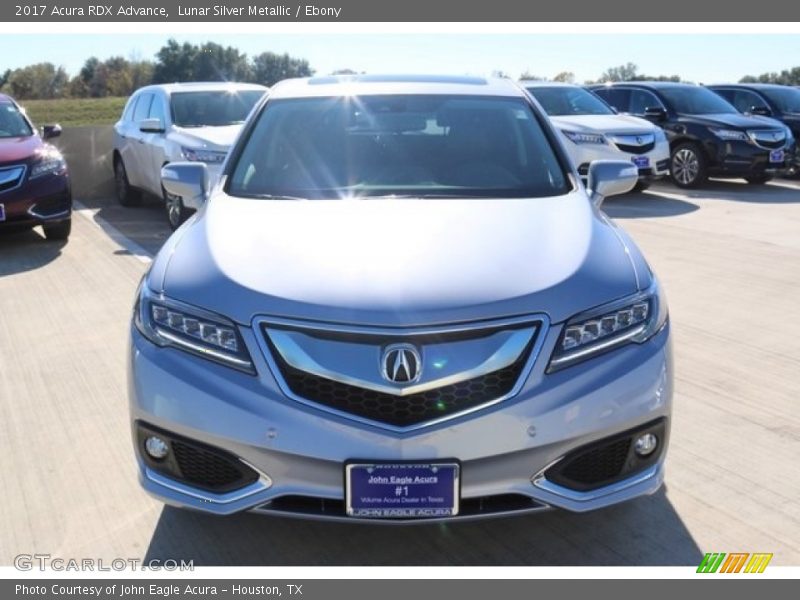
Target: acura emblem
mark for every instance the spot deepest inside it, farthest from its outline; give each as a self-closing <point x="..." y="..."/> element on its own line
<point x="639" y="140"/>
<point x="401" y="363"/>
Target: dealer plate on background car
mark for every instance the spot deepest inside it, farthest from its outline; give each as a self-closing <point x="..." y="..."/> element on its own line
<point x="402" y="490"/>
<point x="641" y="162"/>
<point x="776" y="156"/>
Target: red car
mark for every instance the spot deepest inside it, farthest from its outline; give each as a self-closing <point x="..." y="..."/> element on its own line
<point x="34" y="179"/>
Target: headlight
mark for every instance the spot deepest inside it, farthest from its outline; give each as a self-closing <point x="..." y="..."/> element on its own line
<point x="167" y="322"/>
<point x="579" y="137"/>
<point x="49" y="163"/>
<point x="729" y="134"/>
<point x="200" y="155"/>
<point x="633" y="320"/>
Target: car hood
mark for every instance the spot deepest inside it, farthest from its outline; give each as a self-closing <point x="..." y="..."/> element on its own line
<point x="396" y="262"/>
<point x="604" y="123"/>
<point x="212" y="138"/>
<point x="734" y="120"/>
<point x="19" y="148"/>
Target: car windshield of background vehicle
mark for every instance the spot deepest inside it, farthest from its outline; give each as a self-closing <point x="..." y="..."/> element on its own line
<point x="786" y="99"/>
<point x="697" y="101"/>
<point x="402" y="146"/>
<point x="565" y="101"/>
<point x="12" y="123"/>
<point x="212" y="109"/>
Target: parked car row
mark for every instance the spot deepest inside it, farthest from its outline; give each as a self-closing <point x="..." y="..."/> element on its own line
<point x="737" y="130"/>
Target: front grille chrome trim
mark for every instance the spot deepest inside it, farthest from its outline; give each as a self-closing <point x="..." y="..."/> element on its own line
<point x="539" y="320"/>
<point x="294" y="355"/>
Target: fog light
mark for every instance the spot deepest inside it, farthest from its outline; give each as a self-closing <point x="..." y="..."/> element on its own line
<point x="645" y="444"/>
<point x="156" y="447"/>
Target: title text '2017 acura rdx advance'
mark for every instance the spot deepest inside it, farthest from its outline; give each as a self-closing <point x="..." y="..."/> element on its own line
<point x="707" y="135"/>
<point x="34" y="179"/>
<point x="399" y="302"/>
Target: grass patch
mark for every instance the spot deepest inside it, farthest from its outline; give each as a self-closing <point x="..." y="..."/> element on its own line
<point x="72" y="112"/>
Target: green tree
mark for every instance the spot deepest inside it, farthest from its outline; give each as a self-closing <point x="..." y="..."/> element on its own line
<point x="220" y="63"/>
<point x="42" y="80"/>
<point x="565" y="77"/>
<point x="269" y="68"/>
<point x="626" y="72"/>
<point x="175" y="62"/>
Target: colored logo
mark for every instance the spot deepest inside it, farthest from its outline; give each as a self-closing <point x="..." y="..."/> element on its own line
<point x="734" y="562"/>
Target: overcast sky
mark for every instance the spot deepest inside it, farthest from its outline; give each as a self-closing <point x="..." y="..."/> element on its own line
<point x="706" y="58"/>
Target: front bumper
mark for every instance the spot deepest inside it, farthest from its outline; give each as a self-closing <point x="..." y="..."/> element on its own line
<point x="658" y="158"/>
<point x="744" y="159"/>
<point x="299" y="452"/>
<point x="43" y="200"/>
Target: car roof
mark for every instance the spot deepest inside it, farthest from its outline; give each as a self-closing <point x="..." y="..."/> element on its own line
<point x="394" y="84"/>
<point x="202" y="86"/>
<point x="533" y="83"/>
<point x="653" y="85"/>
<point x="752" y="86"/>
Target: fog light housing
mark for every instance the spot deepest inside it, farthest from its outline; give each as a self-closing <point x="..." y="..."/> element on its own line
<point x="645" y="444"/>
<point x="156" y="448"/>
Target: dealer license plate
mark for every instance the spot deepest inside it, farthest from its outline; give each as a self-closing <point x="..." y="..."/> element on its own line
<point x="776" y="156"/>
<point x="641" y="162"/>
<point x="404" y="490"/>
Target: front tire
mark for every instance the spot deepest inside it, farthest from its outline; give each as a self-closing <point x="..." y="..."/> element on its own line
<point x="177" y="213"/>
<point x="126" y="195"/>
<point x="57" y="231"/>
<point x="687" y="166"/>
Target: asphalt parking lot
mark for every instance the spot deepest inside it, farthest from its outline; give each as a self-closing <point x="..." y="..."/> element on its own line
<point x="728" y="255"/>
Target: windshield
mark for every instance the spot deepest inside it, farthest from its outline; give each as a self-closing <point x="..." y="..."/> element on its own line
<point x="786" y="99"/>
<point x="12" y="122"/>
<point x="400" y="145"/>
<point x="561" y="101"/>
<point x="697" y="101"/>
<point x="212" y="109"/>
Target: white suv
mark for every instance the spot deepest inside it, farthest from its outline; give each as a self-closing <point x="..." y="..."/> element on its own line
<point x="177" y="122"/>
<point x="592" y="130"/>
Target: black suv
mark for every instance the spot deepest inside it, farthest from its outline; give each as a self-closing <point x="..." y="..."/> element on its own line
<point x="780" y="102"/>
<point x="707" y="135"/>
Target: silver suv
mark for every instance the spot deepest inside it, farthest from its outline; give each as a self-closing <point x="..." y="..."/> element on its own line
<point x="398" y="302"/>
<point x="176" y="122"/>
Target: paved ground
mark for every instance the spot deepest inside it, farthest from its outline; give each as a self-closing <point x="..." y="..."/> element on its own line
<point x="729" y="257"/>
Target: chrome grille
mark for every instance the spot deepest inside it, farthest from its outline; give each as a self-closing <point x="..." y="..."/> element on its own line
<point x="463" y="369"/>
<point x="771" y="139"/>
<point x="634" y="143"/>
<point x="11" y="177"/>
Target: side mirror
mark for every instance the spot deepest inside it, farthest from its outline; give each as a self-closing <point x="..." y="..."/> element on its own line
<point x="189" y="180"/>
<point x="655" y="113"/>
<point x="609" y="178"/>
<point x="51" y="131"/>
<point x="761" y="111"/>
<point x="151" y="126"/>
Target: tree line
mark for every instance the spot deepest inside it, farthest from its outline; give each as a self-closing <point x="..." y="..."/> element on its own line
<point x="174" y="62"/>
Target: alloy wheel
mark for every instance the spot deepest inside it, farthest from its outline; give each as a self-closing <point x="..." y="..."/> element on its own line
<point x="685" y="166"/>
